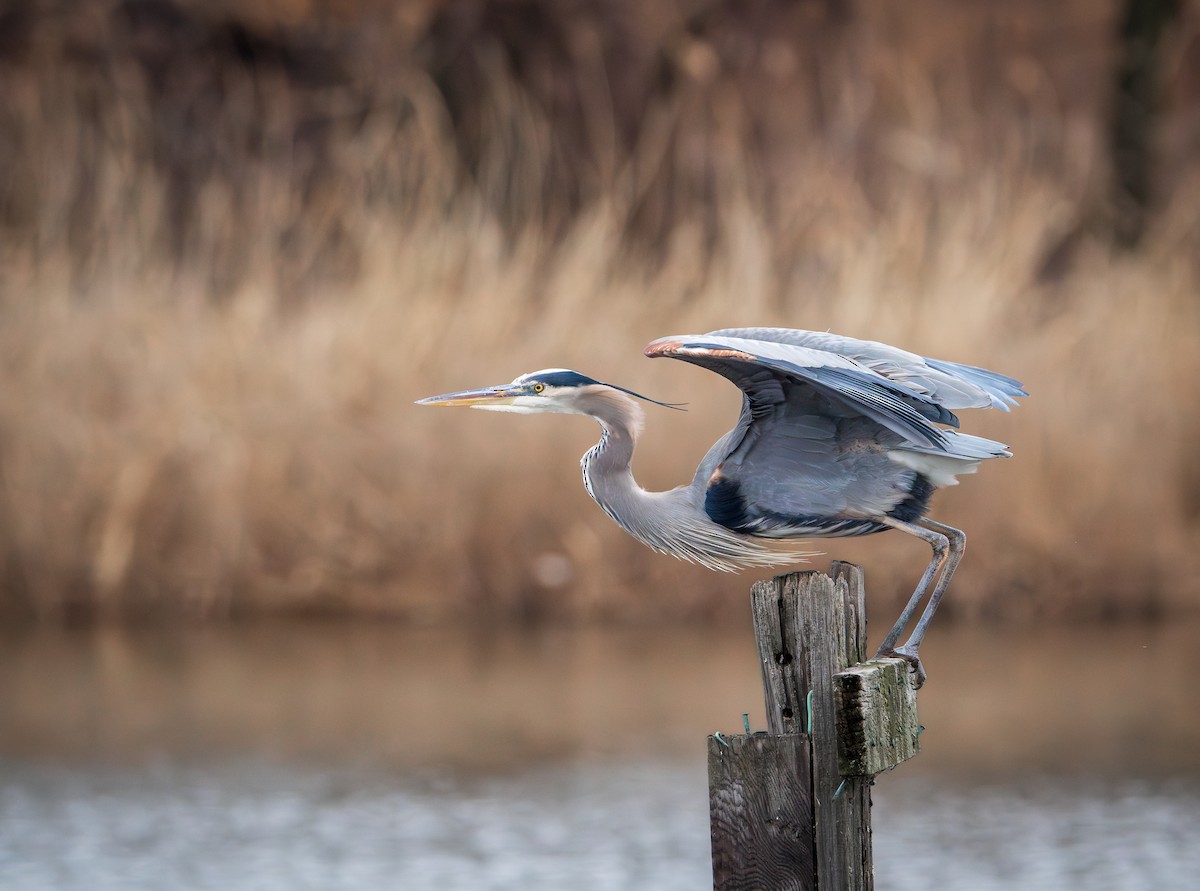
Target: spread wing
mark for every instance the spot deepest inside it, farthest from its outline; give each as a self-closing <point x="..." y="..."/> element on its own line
<point x="762" y="368"/>
<point x="803" y="391"/>
<point x="949" y="384"/>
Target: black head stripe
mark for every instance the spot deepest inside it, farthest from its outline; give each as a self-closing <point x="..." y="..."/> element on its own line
<point x="575" y="379"/>
<point x="565" y="379"/>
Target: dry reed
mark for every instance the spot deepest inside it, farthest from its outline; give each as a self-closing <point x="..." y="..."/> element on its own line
<point x="232" y="262"/>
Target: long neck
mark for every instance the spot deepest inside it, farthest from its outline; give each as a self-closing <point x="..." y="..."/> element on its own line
<point x="672" y="522"/>
<point x="606" y="466"/>
<point x="660" y="520"/>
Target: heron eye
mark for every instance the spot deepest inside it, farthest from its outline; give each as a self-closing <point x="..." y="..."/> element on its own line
<point x="537" y="388"/>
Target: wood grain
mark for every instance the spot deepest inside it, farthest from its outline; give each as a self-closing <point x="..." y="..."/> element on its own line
<point x="761" y="816"/>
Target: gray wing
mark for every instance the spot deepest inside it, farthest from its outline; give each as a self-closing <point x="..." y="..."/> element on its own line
<point x="950" y="384"/>
<point x="761" y="368"/>
<point x="786" y="467"/>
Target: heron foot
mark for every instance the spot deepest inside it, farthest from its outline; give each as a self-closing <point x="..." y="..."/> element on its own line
<point x="909" y="654"/>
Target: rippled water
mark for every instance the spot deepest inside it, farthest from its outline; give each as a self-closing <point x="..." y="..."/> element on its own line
<point x="350" y="758"/>
<point x="582" y="826"/>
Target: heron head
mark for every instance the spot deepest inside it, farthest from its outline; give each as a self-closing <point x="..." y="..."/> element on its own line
<point x="550" y="390"/>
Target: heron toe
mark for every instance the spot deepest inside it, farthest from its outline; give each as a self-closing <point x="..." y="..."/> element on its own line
<point x="909" y="654"/>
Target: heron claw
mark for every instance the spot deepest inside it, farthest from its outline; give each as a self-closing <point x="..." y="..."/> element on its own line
<point x="908" y="654"/>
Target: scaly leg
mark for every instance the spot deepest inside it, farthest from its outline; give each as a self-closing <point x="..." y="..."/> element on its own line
<point x="958" y="544"/>
<point x="940" y="546"/>
<point x="941" y="551"/>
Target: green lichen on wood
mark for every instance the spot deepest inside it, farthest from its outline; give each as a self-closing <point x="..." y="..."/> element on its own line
<point x="877" y="722"/>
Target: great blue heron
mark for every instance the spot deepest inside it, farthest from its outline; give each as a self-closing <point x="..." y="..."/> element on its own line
<point x="837" y="437"/>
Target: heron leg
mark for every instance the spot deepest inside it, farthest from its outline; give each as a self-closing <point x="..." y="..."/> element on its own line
<point x="940" y="543"/>
<point x="958" y="544"/>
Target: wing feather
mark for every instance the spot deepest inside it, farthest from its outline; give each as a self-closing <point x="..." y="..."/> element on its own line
<point x="908" y="412"/>
<point x="949" y="384"/>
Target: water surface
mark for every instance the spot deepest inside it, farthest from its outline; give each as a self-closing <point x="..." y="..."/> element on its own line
<point x="369" y="757"/>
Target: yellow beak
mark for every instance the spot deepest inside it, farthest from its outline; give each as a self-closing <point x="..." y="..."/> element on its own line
<point x="484" y="397"/>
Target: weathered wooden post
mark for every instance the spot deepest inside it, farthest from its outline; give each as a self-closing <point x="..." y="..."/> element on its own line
<point x="791" y="807"/>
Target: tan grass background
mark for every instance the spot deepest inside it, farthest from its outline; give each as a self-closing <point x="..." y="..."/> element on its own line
<point x="237" y="247"/>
